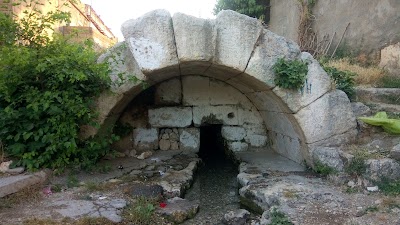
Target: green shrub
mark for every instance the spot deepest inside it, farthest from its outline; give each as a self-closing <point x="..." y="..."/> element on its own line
<point x="344" y="80"/>
<point x="290" y="74"/>
<point x="47" y="90"/>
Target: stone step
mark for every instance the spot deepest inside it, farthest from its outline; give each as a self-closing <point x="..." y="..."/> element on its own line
<point x="13" y="184"/>
<point x="381" y="95"/>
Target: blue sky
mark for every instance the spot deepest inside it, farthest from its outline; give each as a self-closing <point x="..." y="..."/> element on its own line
<point x="115" y="12"/>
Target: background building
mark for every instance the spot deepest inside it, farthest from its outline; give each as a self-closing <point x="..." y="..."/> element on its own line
<point x="85" y="23"/>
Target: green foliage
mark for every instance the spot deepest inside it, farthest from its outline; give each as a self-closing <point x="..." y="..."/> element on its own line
<point x="357" y="166"/>
<point x="252" y="8"/>
<point x="323" y="169"/>
<point x="47" y="90"/>
<point x="278" y="218"/>
<point x="141" y="212"/>
<point x="389" y="187"/>
<point x="344" y="80"/>
<point x="388" y="81"/>
<point x="72" y="181"/>
<point x="290" y="74"/>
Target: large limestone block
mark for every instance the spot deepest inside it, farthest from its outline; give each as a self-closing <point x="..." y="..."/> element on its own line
<point x="289" y="147"/>
<point x="317" y="84"/>
<point x="195" y="43"/>
<point x="151" y="41"/>
<point x="328" y="116"/>
<point x="226" y="115"/>
<point x="268" y="101"/>
<point x="200" y="90"/>
<point x="269" y="49"/>
<point x="328" y="156"/>
<point x="237" y="146"/>
<point x="281" y="123"/>
<point x="169" y="92"/>
<point x="170" y="117"/>
<point x="256" y="140"/>
<point x="250" y="116"/>
<point x="124" y="71"/>
<point x="195" y="90"/>
<point x="189" y="139"/>
<point x="232" y="133"/>
<point x="222" y="93"/>
<point x="145" y="139"/>
<point x="237" y="35"/>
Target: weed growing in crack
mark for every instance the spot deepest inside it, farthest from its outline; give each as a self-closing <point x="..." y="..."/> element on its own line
<point x="323" y="169"/>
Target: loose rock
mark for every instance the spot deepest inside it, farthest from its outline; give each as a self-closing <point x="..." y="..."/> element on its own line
<point x="237" y="217"/>
<point x="178" y="210"/>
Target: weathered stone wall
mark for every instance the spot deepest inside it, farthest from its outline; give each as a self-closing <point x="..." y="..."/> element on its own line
<point x="373" y="24"/>
<point x="180" y="107"/>
<point x="229" y="67"/>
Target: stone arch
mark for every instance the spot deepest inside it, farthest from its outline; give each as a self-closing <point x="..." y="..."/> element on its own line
<point x="239" y="51"/>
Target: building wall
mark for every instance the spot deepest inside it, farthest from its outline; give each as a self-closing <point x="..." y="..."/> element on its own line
<point x="83" y="18"/>
<point x="373" y="24"/>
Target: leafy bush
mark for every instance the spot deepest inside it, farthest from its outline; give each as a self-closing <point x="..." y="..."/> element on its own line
<point x="344" y="80"/>
<point x="47" y="90"/>
<point x="253" y="8"/>
<point x="290" y="74"/>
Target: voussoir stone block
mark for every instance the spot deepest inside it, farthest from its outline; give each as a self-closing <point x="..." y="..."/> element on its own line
<point x="237" y="35"/>
<point x="170" y="117"/>
<point x="328" y="116"/>
<point x="317" y="84"/>
<point x="195" y="42"/>
<point x="152" y="43"/>
<point x="269" y="49"/>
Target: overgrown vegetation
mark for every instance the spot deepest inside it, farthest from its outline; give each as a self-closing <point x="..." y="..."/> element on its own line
<point x="141" y="211"/>
<point x="290" y="74"/>
<point x="357" y="166"/>
<point x="254" y="8"/>
<point x="323" y="169"/>
<point x="47" y="89"/>
<point x="344" y="80"/>
<point x="278" y="218"/>
<point x="389" y="187"/>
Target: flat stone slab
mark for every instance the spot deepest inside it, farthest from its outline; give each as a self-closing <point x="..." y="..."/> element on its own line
<point x="13" y="184"/>
<point x="269" y="160"/>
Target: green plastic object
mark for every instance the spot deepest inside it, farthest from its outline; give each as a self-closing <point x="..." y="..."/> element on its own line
<point x="392" y="126"/>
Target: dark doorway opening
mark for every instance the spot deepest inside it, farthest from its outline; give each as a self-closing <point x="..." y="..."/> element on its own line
<point x="211" y="144"/>
<point x="215" y="185"/>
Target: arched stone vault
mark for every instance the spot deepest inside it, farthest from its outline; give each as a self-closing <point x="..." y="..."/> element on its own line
<point x="238" y="50"/>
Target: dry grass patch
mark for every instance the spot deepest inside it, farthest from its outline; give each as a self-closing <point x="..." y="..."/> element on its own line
<point x="370" y="75"/>
<point x="27" y="195"/>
